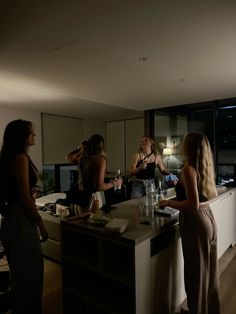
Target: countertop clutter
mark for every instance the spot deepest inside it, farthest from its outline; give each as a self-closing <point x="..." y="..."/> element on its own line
<point x="137" y="229"/>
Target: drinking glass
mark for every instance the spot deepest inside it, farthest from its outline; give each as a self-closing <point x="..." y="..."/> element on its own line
<point x="151" y="196"/>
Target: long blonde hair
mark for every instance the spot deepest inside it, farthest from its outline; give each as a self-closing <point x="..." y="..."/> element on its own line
<point x="197" y="151"/>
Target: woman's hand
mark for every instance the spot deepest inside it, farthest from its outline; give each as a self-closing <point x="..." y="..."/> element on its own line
<point x="117" y="182"/>
<point x="163" y="203"/>
<point x="43" y="231"/>
<point x="143" y="165"/>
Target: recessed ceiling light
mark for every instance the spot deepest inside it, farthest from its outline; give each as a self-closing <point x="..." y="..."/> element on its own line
<point x="142" y="59"/>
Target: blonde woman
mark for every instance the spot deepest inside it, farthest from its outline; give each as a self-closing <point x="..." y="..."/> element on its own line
<point x="143" y="166"/>
<point x="197" y="225"/>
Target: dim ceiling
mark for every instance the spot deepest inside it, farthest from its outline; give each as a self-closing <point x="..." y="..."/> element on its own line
<point x="112" y="59"/>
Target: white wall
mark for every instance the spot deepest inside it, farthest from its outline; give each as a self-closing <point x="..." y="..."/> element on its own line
<point x="91" y="127"/>
<point x="115" y="136"/>
<point x="62" y="134"/>
<point x="7" y="115"/>
<point x="122" y="142"/>
<point x="134" y="130"/>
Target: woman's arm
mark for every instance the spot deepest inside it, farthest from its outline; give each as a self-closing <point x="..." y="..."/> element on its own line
<point x="21" y="171"/>
<point x="102" y="186"/>
<point x="74" y="156"/>
<point x="192" y="198"/>
<point x="160" y="165"/>
<point x="74" y="159"/>
<point x="133" y="170"/>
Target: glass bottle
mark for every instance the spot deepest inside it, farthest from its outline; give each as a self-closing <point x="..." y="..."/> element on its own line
<point x="160" y="191"/>
<point x="117" y="188"/>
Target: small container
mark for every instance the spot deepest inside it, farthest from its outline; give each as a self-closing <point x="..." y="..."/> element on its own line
<point x="95" y="207"/>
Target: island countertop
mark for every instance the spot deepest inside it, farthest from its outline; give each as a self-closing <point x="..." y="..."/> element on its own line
<point x="137" y="232"/>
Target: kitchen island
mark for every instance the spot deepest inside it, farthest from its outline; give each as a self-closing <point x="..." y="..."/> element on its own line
<point x="137" y="272"/>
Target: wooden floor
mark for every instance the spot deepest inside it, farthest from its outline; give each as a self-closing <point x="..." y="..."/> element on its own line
<point x="227" y="264"/>
<point x="52" y="300"/>
<point x="228" y="281"/>
<point x="52" y="294"/>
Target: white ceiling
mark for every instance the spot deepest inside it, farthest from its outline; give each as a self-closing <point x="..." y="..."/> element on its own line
<point x="115" y="58"/>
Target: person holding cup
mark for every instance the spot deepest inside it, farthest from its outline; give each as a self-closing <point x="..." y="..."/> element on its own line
<point x="197" y="225"/>
<point x="143" y="166"/>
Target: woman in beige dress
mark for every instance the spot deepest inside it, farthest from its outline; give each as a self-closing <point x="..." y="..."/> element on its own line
<point x="197" y="225"/>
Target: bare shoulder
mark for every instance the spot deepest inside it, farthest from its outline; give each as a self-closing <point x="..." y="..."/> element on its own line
<point x="101" y="160"/>
<point x="19" y="163"/>
<point x="189" y="170"/>
<point x="136" y="156"/>
<point x="20" y="159"/>
<point x="157" y="156"/>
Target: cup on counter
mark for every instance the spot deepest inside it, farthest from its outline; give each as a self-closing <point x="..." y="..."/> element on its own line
<point x="141" y="208"/>
<point x="150" y="187"/>
<point x="145" y="208"/>
<point x="150" y="197"/>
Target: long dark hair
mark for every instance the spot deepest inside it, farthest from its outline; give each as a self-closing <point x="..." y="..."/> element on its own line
<point x="95" y="145"/>
<point x="14" y="139"/>
<point x="89" y="168"/>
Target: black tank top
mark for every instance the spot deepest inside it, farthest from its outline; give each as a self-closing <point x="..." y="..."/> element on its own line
<point x="181" y="195"/>
<point x="148" y="172"/>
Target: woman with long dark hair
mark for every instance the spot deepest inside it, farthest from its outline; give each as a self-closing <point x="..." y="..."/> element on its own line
<point x="22" y="227"/>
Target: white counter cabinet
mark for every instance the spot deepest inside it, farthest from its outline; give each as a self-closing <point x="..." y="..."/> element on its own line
<point x="224" y="211"/>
